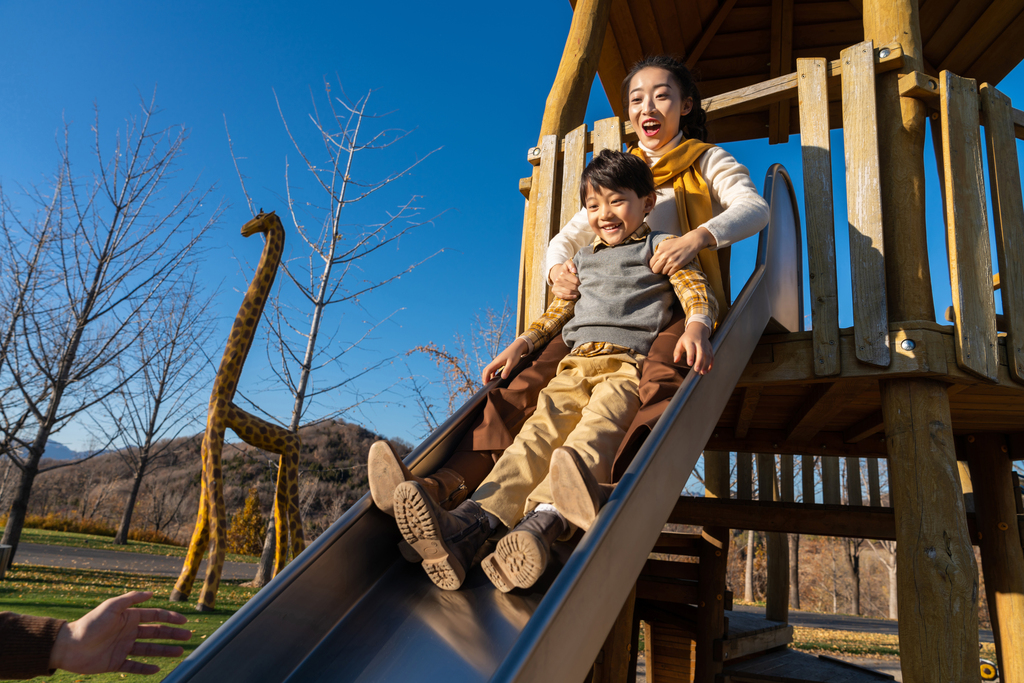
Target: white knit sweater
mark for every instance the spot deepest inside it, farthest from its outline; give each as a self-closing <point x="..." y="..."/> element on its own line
<point x="738" y="210"/>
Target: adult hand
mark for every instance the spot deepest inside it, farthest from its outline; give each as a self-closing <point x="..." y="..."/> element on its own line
<point x="673" y="254"/>
<point x="564" y="283"/>
<point x="695" y="346"/>
<point x="102" y="640"/>
<point x="508" y="358"/>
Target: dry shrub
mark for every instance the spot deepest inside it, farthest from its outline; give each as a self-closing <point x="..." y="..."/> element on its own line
<point x="245" y="535"/>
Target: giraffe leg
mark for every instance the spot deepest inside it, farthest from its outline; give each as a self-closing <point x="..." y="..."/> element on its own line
<point x="218" y="523"/>
<point x="199" y="541"/>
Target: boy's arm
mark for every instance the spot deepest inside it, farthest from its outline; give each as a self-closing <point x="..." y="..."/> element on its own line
<point x="548" y="325"/>
<point x="694" y="293"/>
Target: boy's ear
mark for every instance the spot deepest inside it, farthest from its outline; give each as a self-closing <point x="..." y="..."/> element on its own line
<point x="649" y="202"/>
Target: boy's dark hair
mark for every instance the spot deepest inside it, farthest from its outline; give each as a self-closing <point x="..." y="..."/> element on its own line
<point x="617" y="171"/>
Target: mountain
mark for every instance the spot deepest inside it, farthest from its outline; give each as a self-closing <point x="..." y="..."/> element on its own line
<point x="58" y="451"/>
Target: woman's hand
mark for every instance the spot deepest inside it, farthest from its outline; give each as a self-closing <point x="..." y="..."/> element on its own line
<point x="695" y="346"/>
<point x="673" y="254"/>
<point x="508" y="358"/>
<point x="564" y="283"/>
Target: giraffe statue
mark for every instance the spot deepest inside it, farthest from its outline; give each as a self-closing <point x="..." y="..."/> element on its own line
<point x="224" y="414"/>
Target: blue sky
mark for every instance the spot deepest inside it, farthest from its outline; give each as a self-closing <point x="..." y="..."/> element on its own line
<point x="468" y="78"/>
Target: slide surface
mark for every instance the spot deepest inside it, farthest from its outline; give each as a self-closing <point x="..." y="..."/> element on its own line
<point x="350" y="608"/>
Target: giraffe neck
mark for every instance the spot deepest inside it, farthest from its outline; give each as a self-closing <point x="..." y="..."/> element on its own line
<point x="243" y="330"/>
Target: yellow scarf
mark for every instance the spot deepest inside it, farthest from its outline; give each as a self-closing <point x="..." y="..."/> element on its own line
<point x="693" y="206"/>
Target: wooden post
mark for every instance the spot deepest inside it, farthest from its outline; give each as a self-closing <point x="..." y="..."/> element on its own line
<point x="744" y="476"/>
<point x="565" y="108"/>
<point x="1001" y="555"/>
<point x="613" y="666"/>
<point x="830" y="480"/>
<point x="807" y="478"/>
<point x="936" y="572"/>
<point x="714" y="560"/>
<point x="776" y="544"/>
<point x="853" y="489"/>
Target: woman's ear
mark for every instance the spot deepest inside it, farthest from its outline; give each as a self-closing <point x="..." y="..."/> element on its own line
<point x="687" y="106"/>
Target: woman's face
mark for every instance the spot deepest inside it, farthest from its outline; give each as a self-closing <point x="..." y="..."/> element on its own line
<point x="655" y="105"/>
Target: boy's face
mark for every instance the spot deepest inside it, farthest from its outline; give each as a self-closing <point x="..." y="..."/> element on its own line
<point x="614" y="215"/>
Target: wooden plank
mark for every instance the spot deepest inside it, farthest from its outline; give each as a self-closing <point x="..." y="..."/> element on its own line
<point x="864" y="205"/>
<point x="920" y="85"/>
<point x="614" y="660"/>
<point x="667" y="590"/>
<point x="1008" y="214"/>
<point x="1002" y="55"/>
<point x="621" y="22"/>
<point x="668" y="27"/>
<point x="612" y="72"/>
<point x="970" y="260"/>
<point x="952" y="30"/>
<point x="674" y="543"/>
<point x="824" y="402"/>
<point x="830" y="481"/>
<point x="867" y="426"/>
<point x="664" y="569"/>
<point x="818" y="213"/>
<point x="728" y="650"/>
<point x="853" y="491"/>
<point x="573" y="161"/>
<point x="781" y="64"/>
<point x="646" y="26"/>
<point x="824" y="443"/>
<point x="765" y="476"/>
<point x="608" y="135"/>
<point x="744" y="476"/>
<point x="874" y="486"/>
<point x="709" y="33"/>
<point x="786" y="477"/>
<point x="751" y="396"/>
<point x="544" y="227"/>
<point x="807" y="478"/>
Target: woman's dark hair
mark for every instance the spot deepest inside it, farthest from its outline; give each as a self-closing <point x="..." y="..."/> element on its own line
<point x="617" y="171"/>
<point x="694" y="124"/>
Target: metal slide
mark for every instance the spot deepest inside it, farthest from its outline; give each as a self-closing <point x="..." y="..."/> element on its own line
<point x="350" y="608"/>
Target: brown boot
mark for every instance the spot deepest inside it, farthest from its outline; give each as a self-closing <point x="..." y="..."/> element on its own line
<point x="447" y="541"/>
<point x="576" y="493"/>
<point x="386" y="471"/>
<point x="521" y="556"/>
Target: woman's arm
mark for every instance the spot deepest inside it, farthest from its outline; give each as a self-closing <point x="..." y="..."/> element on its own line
<point x="745" y="212"/>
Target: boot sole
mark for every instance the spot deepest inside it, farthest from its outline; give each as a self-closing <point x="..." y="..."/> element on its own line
<point x="420" y="529"/>
<point x="522" y="558"/>
<point x="494" y="570"/>
<point x="385" y="474"/>
<point x="567" y="485"/>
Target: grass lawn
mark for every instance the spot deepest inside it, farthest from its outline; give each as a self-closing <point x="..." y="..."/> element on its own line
<point x="857" y="644"/>
<point x="70" y="593"/>
<point x="64" y="538"/>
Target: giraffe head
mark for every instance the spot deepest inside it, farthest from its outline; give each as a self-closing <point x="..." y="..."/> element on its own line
<point x="264" y="222"/>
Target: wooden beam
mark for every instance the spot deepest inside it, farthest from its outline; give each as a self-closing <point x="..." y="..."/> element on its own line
<point x="970" y="260"/>
<point x="781" y="64"/>
<point x="824" y="403"/>
<point x="1001" y="555"/>
<point x="646" y="26"/>
<point x="744" y="475"/>
<point x="818" y="211"/>
<point x="1008" y="214"/>
<point x="865" y="427"/>
<point x="853" y="488"/>
<point x="994" y="64"/>
<point x="864" y="207"/>
<point x="709" y="33"/>
<point x="807" y="479"/>
<point x="830" y="481"/>
<point x="874" y="486"/>
<point x="751" y="396"/>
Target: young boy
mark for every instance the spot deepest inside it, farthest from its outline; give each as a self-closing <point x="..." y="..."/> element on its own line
<point x="589" y="403"/>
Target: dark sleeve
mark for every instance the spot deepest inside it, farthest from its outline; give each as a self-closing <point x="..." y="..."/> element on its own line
<point x="25" y="645"/>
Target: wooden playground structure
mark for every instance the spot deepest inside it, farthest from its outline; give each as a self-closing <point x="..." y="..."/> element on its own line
<point x="942" y="403"/>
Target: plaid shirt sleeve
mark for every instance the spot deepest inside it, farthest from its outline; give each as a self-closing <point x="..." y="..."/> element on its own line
<point x="548" y="325"/>
<point x="691" y="286"/>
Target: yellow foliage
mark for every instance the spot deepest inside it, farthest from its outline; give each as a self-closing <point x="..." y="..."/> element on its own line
<point x="245" y="535"/>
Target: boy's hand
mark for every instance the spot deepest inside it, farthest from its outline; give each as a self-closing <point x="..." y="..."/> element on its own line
<point x="508" y="358"/>
<point x="695" y="346"/>
<point x="673" y="254"/>
<point x="564" y="283"/>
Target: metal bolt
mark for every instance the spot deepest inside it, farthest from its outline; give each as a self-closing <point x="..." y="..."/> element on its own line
<point x="1003" y="526"/>
<point x="908" y="345"/>
<point x="535" y="152"/>
<point x="932" y="84"/>
<point x="821" y="360"/>
<point x="970" y="439"/>
<point x="1004" y="449"/>
<point x="831" y="342"/>
<point x="883" y="53"/>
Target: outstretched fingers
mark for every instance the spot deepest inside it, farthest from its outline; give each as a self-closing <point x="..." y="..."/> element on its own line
<point x="149" y="615"/>
<point x="152" y="632"/>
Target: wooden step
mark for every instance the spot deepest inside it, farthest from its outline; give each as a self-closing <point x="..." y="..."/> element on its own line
<point x="658" y="589"/>
<point x="790" y="666"/>
<point x="672" y="543"/>
<point x="749" y="634"/>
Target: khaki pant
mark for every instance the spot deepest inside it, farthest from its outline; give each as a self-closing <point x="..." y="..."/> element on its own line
<point x="587" y="406"/>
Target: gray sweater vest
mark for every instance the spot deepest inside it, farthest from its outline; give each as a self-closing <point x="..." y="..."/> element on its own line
<point x="621" y="300"/>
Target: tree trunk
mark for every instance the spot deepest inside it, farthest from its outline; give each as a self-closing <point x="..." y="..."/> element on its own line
<point x="121" y="538"/>
<point x="894" y="612"/>
<point x="748" y="575"/>
<point x="794" y="571"/>
<point x="265" y="571"/>
<point x="19" y="509"/>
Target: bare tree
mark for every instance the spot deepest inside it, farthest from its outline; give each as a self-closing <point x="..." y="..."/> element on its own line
<point x="885" y="551"/>
<point x="850" y="552"/>
<point x="158" y="398"/>
<point x="116" y="242"/>
<point x="333" y="267"/>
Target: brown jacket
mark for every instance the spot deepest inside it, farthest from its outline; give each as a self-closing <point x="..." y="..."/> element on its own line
<point x="25" y="645"/>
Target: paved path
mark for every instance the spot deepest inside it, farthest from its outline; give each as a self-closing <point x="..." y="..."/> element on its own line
<point x="844" y="622"/>
<point x="89" y="558"/>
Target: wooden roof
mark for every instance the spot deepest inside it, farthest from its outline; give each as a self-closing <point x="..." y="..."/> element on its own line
<point x="735" y="43"/>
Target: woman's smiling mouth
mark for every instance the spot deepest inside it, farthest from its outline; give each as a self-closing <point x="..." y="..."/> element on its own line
<point x="651" y="127"/>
